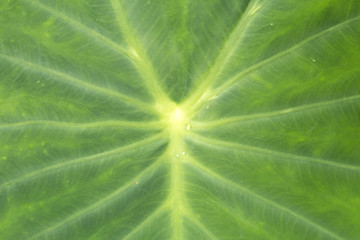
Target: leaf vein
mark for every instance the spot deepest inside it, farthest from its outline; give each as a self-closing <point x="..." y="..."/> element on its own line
<point x="77" y="25"/>
<point x="277" y="113"/>
<point x="201" y="226"/>
<point x="263" y="199"/>
<point x="46" y="123"/>
<point x="264" y="151"/>
<point x="75" y="81"/>
<point x="145" y="222"/>
<point x="234" y="80"/>
<point x="62" y="165"/>
<point x="275" y="57"/>
<point x="141" y="59"/>
<point x="225" y="53"/>
<point x="101" y="203"/>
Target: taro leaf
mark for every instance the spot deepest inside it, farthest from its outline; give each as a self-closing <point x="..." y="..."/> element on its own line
<point x="179" y="119"/>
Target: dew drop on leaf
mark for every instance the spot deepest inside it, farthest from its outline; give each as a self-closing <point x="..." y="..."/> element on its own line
<point x="188" y="126"/>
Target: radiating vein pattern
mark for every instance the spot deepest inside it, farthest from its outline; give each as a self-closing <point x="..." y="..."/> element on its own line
<point x="325" y="104"/>
<point x="102" y="203"/>
<point x="179" y="120"/>
<point x="279" y="155"/>
<point x="229" y="83"/>
<point x="80" y="125"/>
<point x="75" y="24"/>
<point x="74" y="81"/>
<point x="144" y="65"/>
<point x="266" y="201"/>
<point x="74" y="162"/>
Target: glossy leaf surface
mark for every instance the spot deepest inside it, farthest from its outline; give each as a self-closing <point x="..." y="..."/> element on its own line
<point x="186" y="120"/>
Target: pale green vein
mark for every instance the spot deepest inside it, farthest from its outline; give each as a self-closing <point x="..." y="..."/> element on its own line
<point x="58" y="166"/>
<point x="302" y="108"/>
<point x="142" y="61"/>
<point x="147" y="221"/>
<point x="229" y="83"/>
<point x="276" y="57"/>
<point x="71" y="125"/>
<point x="63" y="77"/>
<point x="242" y="147"/>
<point x="84" y="29"/>
<point x="251" y="225"/>
<point x="102" y="203"/>
<point x="176" y="197"/>
<point x="263" y="199"/>
<point x="227" y="51"/>
<point x="200" y="226"/>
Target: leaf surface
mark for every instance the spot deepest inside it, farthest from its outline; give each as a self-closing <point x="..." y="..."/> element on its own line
<point x="207" y="119"/>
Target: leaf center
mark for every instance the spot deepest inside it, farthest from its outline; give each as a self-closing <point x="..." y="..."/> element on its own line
<point x="177" y="120"/>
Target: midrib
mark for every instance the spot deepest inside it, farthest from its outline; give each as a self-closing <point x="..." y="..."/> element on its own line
<point x="176" y="194"/>
<point x="176" y="120"/>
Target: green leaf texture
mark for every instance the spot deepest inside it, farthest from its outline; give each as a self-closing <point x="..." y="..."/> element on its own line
<point x="179" y="119"/>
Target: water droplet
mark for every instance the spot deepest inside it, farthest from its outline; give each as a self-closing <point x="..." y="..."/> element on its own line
<point x="177" y="155"/>
<point x="183" y="153"/>
<point x="313" y="59"/>
<point x="188" y="126"/>
<point x="271" y="24"/>
<point x="207" y="107"/>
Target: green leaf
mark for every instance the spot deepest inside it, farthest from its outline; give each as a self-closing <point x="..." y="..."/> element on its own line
<point x="179" y="119"/>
